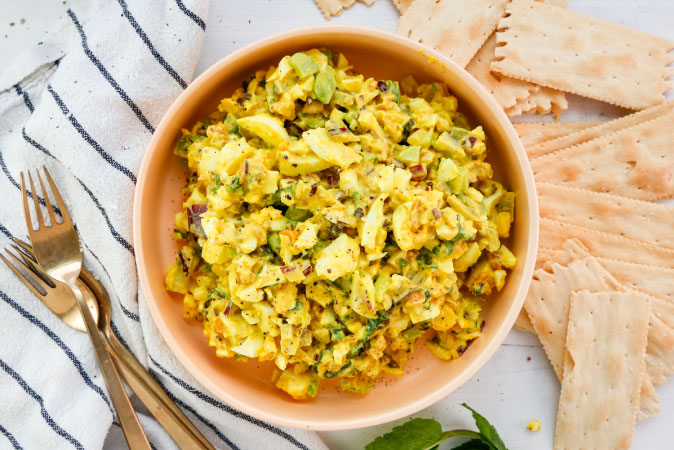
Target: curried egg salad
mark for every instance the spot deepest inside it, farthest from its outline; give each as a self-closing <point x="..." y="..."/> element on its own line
<point x="330" y="220"/>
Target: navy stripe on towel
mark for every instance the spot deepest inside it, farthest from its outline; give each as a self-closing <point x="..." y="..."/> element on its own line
<point x="87" y="51"/>
<point x="5" y="231"/>
<point x="198" y="20"/>
<point x="26" y="100"/>
<point x="227" y="408"/>
<point x="50" y="421"/>
<point x="3" y="166"/>
<point x="149" y="45"/>
<point x="10" y="437"/>
<point x="88" y="138"/>
<point x="188" y="408"/>
<point x="54" y="337"/>
<point x="123" y="242"/>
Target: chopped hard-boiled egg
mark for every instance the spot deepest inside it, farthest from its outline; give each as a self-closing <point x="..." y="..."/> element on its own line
<point x="330" y="219"/>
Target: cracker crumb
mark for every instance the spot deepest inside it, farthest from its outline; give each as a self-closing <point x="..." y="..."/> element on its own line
<point x="534" y="426"/>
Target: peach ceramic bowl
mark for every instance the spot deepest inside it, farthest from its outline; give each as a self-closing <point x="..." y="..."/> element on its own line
<point x="247" y="386"/>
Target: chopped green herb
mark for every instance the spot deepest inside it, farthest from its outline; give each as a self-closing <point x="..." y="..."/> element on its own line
<point x="337" y="373"/>
<point x="298" y="306"/>
<point x="356" y="197"/>
<point x="403" y="263"/>
<point x="337" y="333"/>
<point x="327" y="53"/>
<point x="236" y="184"/>
<point x="370" y="326"/>
<point x="312" y="389"/>
<point x="184" y="142"/>
<point x="218" y="183"/>
<point x="394" y="88"/>
<point x="434" y="89"/>
<point x="216" y="293"/>
<point x="182" y="234"/>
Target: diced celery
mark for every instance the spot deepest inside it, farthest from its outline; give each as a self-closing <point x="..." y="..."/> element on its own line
<point x="325" y="84"/>
<point x="409" y="155"/>
<point x="459" y="184"/>
<point x="303" y="65"/>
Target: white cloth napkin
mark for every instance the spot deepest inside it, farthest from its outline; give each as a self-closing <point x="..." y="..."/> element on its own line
<point x="85" y="103"/>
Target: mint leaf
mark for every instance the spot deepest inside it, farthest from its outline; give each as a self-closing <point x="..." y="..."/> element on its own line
<point x="487" y="430"/>
<point x="427" y="434"/>
<point x="473" y="444"/>
<point x="417" y="434"/>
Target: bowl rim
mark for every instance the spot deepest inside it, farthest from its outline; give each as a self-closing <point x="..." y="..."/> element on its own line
<point x="419" y="403"/>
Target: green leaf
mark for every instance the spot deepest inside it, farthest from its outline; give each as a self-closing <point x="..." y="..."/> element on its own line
<point x="427" y="434"/>
<point x="473" y="444"/>
<point x="417" y="434"/>
<point x="487" y="430"/>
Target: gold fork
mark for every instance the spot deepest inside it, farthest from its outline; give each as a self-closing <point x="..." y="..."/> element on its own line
<point x="167" y="413"/>
<point x="57" y="250"/>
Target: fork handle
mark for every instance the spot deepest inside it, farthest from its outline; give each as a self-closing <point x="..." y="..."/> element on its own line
<point x="179" y="431"/>
<point x="133" y="432"/>
<point x="162" y="407"/>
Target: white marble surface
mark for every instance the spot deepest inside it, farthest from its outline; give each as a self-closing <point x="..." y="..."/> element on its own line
<point x="517" y="384"/>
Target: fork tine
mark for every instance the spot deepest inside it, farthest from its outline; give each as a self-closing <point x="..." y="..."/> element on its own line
<point x="38" y="211"/>
<point x="59" y="200"/>
<point x="26" y="208"/>
<point x="25" y="246"/>
<point x="25" y="279"/>
<point x="33" y="267"/>
<point x="50" y="208"/>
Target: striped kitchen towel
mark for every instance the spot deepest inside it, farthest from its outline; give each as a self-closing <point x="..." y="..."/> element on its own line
<point x="85" y="103"/>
